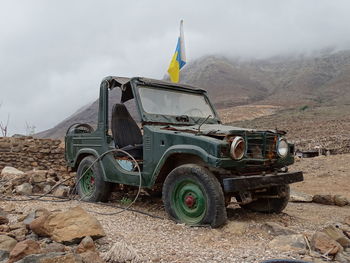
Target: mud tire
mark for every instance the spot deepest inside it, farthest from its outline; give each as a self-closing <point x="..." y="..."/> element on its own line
<point x="101" y="190"/>
<point x="205" y="187"/>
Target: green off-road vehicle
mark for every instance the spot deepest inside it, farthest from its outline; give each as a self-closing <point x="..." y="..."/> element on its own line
<point x="182" y="150"/>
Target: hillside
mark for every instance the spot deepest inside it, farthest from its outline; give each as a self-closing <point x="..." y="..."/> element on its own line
<point x="321" y="79"/>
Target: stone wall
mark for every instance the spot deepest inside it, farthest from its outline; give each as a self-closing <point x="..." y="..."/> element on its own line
<point x="27" y="153"/>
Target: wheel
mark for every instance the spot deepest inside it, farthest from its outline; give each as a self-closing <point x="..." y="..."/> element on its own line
<point x="271" y="205"/>
<point x="90" y="184"/>
<point x="193" y="195"/>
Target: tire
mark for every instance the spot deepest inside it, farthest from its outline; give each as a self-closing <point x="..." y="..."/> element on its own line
<point x="271" y="205"/>
<point x="91" y="187"/>
<point x="193" y="195"/>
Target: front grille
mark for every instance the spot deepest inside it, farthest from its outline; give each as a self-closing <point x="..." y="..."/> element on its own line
<point x="261" y="145"/>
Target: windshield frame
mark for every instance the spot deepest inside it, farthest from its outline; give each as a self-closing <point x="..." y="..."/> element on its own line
<point x="172" y="119"/>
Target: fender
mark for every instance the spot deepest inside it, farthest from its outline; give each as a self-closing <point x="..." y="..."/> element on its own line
<point x="183" y="149"/>
<point x="94" y="153"/>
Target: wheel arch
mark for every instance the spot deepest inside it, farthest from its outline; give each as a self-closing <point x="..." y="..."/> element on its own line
<point x="88" y="152"/>
<point x="174" y="160"/>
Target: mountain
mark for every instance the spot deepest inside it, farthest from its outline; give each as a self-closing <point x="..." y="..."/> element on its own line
<point x="319" y="79"/>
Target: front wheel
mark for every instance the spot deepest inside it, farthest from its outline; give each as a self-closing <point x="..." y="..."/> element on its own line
<point x="271" y="204"/>
<point x="90" y="184"/>
<point x="193" y="195"/>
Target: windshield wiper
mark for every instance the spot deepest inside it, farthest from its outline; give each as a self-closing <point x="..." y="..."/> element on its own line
<point x="200" y="125"/>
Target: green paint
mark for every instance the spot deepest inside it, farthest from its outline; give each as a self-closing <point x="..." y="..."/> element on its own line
<point x="161" y="142"/>
<point x="189" y="202"/>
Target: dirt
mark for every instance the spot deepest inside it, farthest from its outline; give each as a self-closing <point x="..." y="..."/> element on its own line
<point x="240" y="240"/>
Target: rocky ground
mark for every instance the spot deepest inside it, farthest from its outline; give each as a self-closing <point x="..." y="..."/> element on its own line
<point x="305" y="230"/>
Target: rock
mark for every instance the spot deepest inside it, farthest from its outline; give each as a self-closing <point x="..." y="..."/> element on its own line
<point x="54" y="257"/>
<point x="342" y="258"/>
<point x="68" y="227"/>
<point x="340" y="200"/>
<point x="37" y="176"/>
<point x="92" y="257"/>
<point x="61" y="191"/>
<point x="4" y="228"/>
<point x="288" y="243"/>
<point x="300" y="197"/>
<point x="235" y="228"/>
<point x="17" y="226"/>
<point x="8" y="170"/>
<point x="24" y="189"/>
<point x="4" y="255"/>
<point x="121" y="252"/>
<point x="7" y="243"/>
<point x="47" y="188"/>
<point x="39" y="227"/>
<point x="337" y="235"/>
<point x="24" y="248"/>
<point x="87" y="244"/>
<point x="3" y="217"/>
<point x="53" y="247"/>
<point x="324" y="244"/>
<point x="29" y="218"/>
<point x="276" y="229"/>
<point x="347" y="221"/>
<point x="323" y="199"/>
<point x="19" y="234"/>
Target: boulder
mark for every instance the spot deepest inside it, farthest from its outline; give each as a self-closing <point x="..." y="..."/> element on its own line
<point x="7" y="243"/>
<point x="68" y="227"/>
<point x="324" y="244"/>
<point x="288" y="243"/>
<point x="24" y="189"/>
<point x="340" y="200"/>
<point x="19" y="234"/>
<point x="323" y="199"/>
<point x="337" y="235"/>
<point x="276" y="229"/>
<point x="300" y="197"/>
<point x="23" y="249"/>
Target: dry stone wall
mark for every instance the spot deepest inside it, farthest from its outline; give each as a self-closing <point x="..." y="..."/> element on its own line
<point x="27" y="153"/>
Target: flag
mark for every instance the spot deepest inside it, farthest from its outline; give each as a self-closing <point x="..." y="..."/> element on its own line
<point x="179" y="58"/>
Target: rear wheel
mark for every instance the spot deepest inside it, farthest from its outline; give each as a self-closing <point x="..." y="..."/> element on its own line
<point x="271" y="204"/>
<point x="90" y="184"/>
<point x="193" y="195"/>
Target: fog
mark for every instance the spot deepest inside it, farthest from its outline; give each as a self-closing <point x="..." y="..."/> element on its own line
<point x="53" y="54"/>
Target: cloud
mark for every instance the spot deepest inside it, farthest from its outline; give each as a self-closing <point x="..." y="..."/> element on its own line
<point x="53" y="54"/>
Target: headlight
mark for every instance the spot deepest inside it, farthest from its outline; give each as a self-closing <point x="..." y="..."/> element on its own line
<point x="237" y="149"/>
<point x="282" y="148"/>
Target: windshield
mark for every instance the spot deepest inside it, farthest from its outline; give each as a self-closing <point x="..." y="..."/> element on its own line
<point x="169" y="102"/>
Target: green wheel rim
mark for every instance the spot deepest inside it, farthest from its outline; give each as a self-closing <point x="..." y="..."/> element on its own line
<point x="88" y="182"/>
<point x="189" y="202"/>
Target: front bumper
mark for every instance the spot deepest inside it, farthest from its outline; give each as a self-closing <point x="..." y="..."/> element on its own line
<point x="244" y="183"/>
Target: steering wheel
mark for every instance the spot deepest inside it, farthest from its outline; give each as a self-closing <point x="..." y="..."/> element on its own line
<point x="190" y="111"/>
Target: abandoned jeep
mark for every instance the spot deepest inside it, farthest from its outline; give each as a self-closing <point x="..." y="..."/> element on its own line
<point x="181" y="149"/>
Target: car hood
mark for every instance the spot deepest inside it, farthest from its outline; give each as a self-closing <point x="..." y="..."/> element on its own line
<point x="214" y="129"/>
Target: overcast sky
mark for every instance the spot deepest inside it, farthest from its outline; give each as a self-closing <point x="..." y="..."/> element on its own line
<point x="53" y="54"/>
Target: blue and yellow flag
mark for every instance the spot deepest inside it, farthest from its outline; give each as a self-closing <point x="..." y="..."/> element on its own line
<point x="179" y="58"/>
